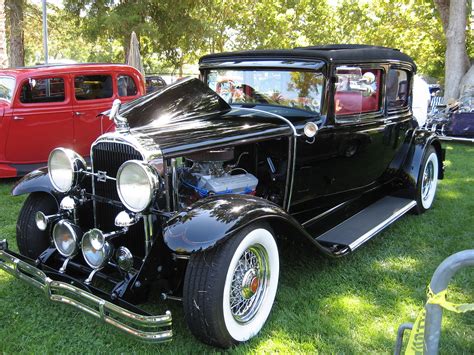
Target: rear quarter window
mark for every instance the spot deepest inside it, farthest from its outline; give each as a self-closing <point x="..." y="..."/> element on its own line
<point x="397" y="89"/>
<point x="126" y="86"/>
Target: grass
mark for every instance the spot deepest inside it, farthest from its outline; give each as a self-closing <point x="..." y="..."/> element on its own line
<point x="351" y="305"/>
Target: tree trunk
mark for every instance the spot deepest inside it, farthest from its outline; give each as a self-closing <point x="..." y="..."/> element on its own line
<point x="3" y="39"/>
<point x="457" y="61"/>
<point x="17" y="48"/>
<point x="443" y="9"/>
<point x="467" y="81"/>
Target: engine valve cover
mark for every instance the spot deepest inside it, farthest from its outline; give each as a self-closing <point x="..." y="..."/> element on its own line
<point x="236" y="184"/>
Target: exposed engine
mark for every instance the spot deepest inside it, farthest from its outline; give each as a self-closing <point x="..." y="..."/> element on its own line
<point x="210" y="172"/>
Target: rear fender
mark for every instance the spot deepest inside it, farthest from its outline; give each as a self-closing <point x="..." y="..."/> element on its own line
<point x="215" y="219"/>
<point x="36" y="181"/>
<point x="422" y="139"/>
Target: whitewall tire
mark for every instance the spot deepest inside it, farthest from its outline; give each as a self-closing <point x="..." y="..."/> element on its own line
<point x="427" y="181"/>
<point x="229" y="290"/>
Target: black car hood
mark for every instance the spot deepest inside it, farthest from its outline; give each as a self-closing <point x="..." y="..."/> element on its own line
<point x="188" y="116"/>
<point x="178" y="102"/>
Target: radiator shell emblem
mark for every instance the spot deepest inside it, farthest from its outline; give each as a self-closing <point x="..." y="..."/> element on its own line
<point x="102" y="176"/>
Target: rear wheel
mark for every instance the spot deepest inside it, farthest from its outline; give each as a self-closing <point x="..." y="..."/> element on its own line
<point x="427" y="181"/>
<point x="229" y="290"/>
<point x="30" y="240"/>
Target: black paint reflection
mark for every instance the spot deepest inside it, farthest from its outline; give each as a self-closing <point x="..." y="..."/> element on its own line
<point x="214" y="218"/>
<point x="179" y="101"/>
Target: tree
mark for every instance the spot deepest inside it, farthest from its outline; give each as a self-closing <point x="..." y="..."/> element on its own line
<point x="168" y="27"/>
<point x="3" y="32"/>
<point x="15" y="20"/>
<point x="453" y="15"/>
<point x="411" y="26"/>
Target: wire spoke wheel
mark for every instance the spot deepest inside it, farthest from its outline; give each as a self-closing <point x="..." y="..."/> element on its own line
<point x="249" y="283"/>
<point x="428" y="176"/>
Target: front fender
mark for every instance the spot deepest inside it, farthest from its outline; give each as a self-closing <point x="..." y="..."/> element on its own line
<point x="216" y="218"/>
<point x="36" y="181"/>
<point x="422" y="139"/>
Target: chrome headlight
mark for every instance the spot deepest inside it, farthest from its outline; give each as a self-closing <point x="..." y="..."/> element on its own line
<point x="95" y="249"/>
<point x="63" y="167"/>
<point x="137" y="183"/>
<point x="66" y="236"/>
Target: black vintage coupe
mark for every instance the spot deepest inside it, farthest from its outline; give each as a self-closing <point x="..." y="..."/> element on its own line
<point x="201" y="178"/>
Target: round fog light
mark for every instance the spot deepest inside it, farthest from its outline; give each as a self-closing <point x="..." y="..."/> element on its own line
<point x="65" y="237"/>
<point x="95" y="249"/>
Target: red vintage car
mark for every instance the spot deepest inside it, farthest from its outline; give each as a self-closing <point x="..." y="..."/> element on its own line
<point x="44" y="107"/>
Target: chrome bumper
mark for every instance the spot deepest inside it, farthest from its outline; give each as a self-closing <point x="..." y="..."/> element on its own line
<point x="143" y="327"/>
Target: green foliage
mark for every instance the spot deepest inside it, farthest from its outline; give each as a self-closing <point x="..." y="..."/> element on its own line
<point x="172" y="33"/>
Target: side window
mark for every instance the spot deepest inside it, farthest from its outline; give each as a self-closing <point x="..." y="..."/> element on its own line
<point x="126" y="86"/>
<point x="92" y="87"/>
<point x="397" y="89"/>
<point x="42" y="90"/>
<point x="357" y="91"/>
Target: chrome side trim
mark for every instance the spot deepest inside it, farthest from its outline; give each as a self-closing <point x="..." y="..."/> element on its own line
<point x="174" y="185"/>
<point x="148" y="225"/>
<point x="140" y="326"/>
<point x="324" y="214"/>
<point x="365" y="237"/>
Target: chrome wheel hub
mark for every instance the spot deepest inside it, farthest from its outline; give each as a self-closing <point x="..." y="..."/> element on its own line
<point x="249" y="283"/>
<point x="428" y="177"/>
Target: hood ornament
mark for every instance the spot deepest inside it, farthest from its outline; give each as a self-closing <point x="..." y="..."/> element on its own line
<point x="121" y="122"/>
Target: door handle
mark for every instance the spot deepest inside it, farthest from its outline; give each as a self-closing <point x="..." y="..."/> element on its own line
<point x="17" y="118"/>
<point x="79" y="113"/>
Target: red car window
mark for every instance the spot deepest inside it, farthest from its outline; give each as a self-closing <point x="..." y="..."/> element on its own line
<point x="42" y="90"/>
<point x="126" y="86"/>
<point x="92" y="87"/>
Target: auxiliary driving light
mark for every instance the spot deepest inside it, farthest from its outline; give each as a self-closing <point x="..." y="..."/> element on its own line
<point x="95" y="249"/>
<point x="66" y="237"/>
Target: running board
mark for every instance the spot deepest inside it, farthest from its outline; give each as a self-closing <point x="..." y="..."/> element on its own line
<point x="456" y="139"/>
<point x="358" y="229"/>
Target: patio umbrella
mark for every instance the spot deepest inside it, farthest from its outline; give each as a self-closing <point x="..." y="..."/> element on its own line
<point x="134" y="58"/>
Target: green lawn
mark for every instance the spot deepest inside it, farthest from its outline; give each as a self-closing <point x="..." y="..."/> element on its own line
<point x="352" y="305"/>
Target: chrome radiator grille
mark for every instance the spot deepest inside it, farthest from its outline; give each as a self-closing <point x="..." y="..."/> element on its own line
<point x="107" y="157"/>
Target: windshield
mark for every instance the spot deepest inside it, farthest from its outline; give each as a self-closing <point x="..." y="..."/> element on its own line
<point x="291" y="89"/>
<point x="7" y="85"/>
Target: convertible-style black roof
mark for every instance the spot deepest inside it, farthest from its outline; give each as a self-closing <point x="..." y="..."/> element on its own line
<point x="328" y="53"/>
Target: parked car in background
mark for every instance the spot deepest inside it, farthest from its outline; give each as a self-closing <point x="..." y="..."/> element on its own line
<point x="46" y="106"/>
<point x="153" y="83"/>
<point x="187" y="198"/>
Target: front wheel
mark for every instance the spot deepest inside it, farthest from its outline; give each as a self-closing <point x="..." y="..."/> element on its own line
<point x="427" y="181"/>
<point x="30" y="240"/>
<point x="229" y="290"/>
